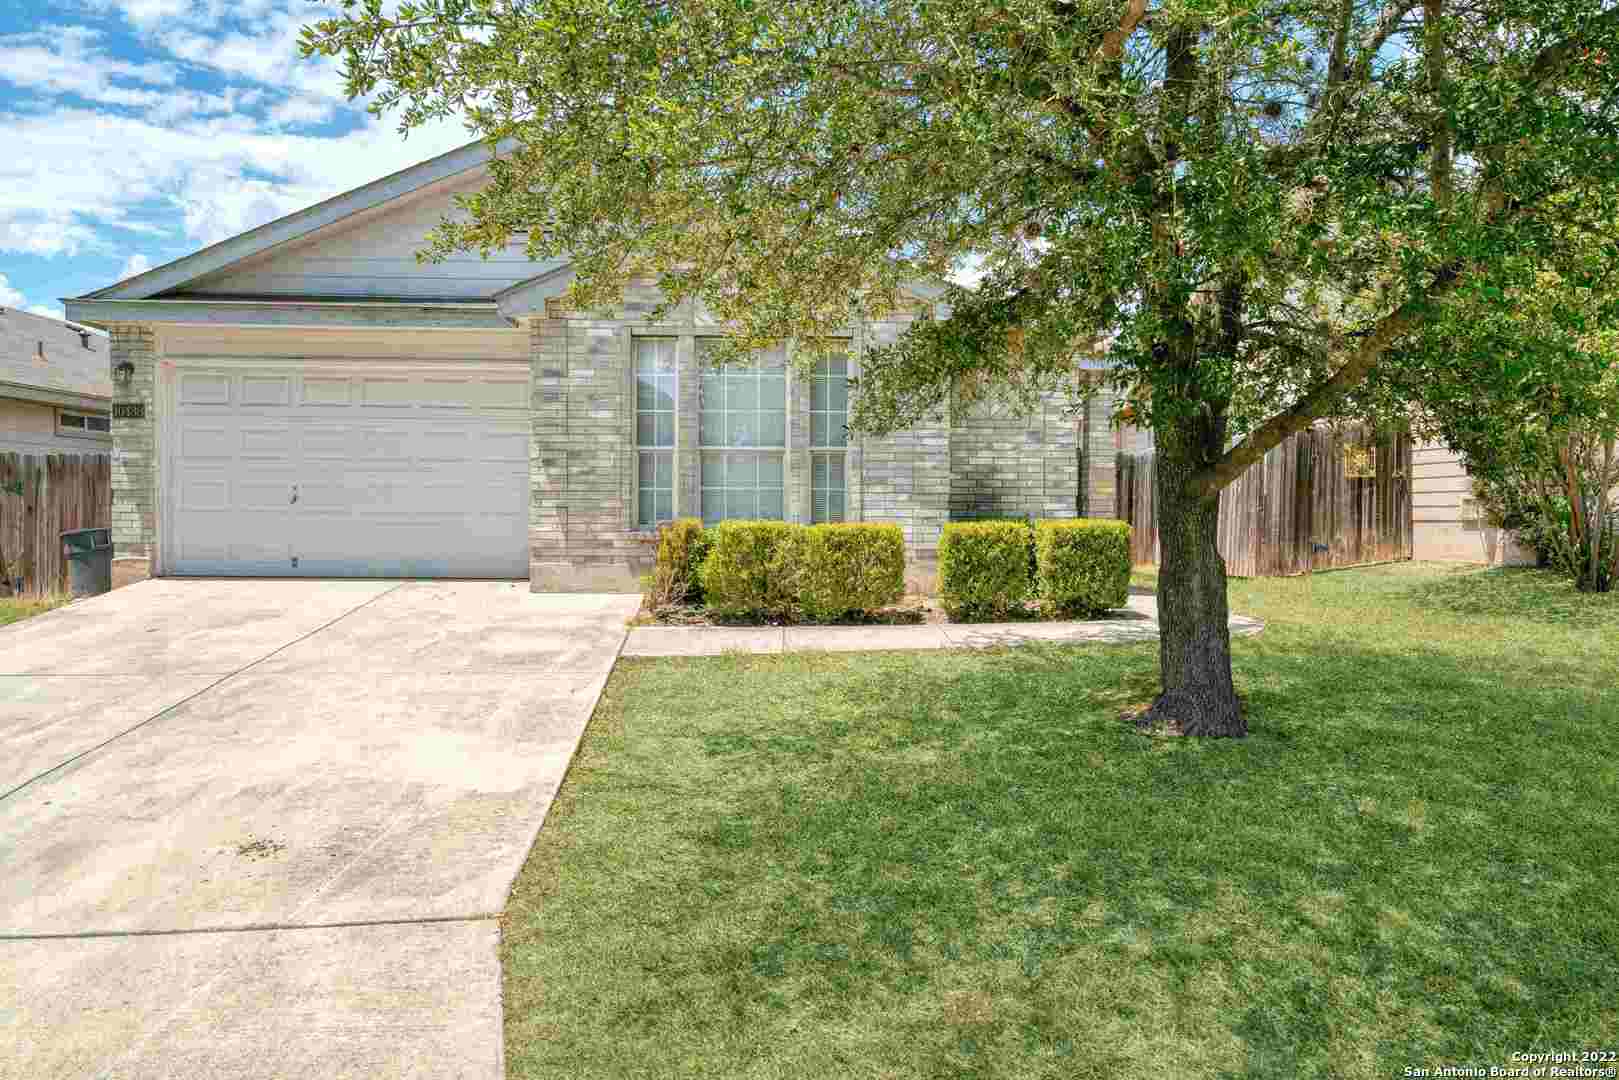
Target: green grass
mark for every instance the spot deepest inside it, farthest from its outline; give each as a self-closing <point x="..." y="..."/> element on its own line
<point x="966" y="865"/>
<point x="15" y="609"/>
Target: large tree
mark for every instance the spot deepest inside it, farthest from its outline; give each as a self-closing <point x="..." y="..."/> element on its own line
<point x="1251" y="204"/>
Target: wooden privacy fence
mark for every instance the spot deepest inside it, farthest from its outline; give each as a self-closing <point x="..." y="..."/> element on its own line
<point x="41" y="497"/>
<point x="1321" y="499"/>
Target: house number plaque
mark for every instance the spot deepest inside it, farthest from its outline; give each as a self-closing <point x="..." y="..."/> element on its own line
<point x="129" y="410"/>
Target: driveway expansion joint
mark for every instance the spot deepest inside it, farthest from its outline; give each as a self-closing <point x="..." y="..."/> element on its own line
<point x="246" y="928"/>
<point x="167" y="710"/>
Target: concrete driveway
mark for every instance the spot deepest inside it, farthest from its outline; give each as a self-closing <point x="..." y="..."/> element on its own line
<point x="266" y="827"/>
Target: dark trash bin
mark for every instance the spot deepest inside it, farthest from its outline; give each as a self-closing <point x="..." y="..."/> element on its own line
<point x="89" y="561"/>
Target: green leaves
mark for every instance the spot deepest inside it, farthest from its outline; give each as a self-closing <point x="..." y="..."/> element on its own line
<point x="1230" y="217"/>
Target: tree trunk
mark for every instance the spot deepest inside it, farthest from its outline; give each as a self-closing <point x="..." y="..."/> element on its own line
<point x="1194" y="647"/>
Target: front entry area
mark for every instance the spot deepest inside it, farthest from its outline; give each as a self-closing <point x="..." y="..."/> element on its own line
<point x="337" y="468"/>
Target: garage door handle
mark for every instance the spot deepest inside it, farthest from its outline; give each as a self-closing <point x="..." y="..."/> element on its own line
<point x="294" y="494"/>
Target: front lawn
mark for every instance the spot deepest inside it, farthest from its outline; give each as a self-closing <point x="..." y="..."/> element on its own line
<point x="965" y="864"/>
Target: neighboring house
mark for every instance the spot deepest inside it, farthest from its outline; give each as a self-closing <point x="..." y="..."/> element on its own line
<point x="308" y="399"/>
<point x="1446" y="523"/>
<point x="54" y="386"/>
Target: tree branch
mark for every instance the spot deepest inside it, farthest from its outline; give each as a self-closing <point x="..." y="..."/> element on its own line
<point x="1554" y="58"/>
<point x="1271" y="434"/>
<point x="1112" y="46"/>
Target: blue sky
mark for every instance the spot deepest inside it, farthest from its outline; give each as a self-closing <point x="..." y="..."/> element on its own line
<point x="138" y="131"/>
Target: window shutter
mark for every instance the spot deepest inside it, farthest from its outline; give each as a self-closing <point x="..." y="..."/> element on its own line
<point x="819" y="507"/>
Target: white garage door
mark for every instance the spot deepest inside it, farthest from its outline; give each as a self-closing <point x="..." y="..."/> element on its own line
<point x="347" y="470"/>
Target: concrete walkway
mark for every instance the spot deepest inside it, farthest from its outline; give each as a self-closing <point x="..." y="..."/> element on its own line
<point x="1138" y="621"/>
<point x="266" y="828"/>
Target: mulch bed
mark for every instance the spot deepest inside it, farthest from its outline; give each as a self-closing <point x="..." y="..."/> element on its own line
<point x="911" y="611"/>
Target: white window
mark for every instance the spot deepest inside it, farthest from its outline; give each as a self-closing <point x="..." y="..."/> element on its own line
<point x="655" y="430"/>
<point x="742" y="429"/>
<point x="829" y="438"/>
<point x="86" y="424"/>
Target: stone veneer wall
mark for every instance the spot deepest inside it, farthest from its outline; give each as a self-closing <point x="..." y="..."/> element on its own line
<point x="582" y="532"/>
<point x="583" y="535"/>
<point x="1005" y="462"/>
<point x="134" y="458"/>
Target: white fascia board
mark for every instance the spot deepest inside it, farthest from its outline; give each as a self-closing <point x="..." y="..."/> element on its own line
<point x="471" y="315"/>
<point x="296" y="225"/>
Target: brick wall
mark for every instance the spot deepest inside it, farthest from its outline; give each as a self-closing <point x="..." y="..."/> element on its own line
<point x="583" y="534"/>
<point x="134" y="462"/>
<point x="1007" y="462"/>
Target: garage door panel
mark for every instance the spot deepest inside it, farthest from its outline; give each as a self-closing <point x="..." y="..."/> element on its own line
<point x="199" y="442"/>
<point x="448" y="444"/>
<point x="384" y="443"/>
<point x="205" y="389"/>
<point x="219" y="538"/>
<point x="321" y="392"/>
<point x="397" y="473"/>
<point x="390" y="393"/>
<point x="204" y="492"/>
<point x="266" y="390"/>
<point x="266" y="490"/>
<point x="271" y="443"/>
<point x="323" y="443"/>
<point x="504" y="446"/>
<point x="468" y="394"/>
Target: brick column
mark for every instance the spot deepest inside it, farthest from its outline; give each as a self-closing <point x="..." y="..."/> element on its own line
<point x="1101" y="457"/>
<point x="580" y="520"/>
<point x="134" y="449"/>
<point x="548" y="446"/>
<point x="1061" y="475"/>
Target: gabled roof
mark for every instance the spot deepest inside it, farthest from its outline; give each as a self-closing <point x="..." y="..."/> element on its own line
<point x="294" y="226"/>
<point x="43" y="359"/>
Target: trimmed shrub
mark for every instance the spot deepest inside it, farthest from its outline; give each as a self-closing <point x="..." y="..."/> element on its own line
<point x="850" y="567"/>
<point x="752" y="567"/>
<point x="1020" y="519"/>
<point x="983" y="568"/>
<point x="682" y="546"/>
<point x="1083" y="564"/>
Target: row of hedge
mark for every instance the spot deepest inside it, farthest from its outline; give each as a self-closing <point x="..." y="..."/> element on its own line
<point x="823" y="572"/>
<point x="987" y="569"/>
<point x="1075" y="567"/>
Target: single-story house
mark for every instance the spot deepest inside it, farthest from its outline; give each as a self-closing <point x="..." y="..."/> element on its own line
<point x="308" y="399"/>
<point x="55" y="391"/>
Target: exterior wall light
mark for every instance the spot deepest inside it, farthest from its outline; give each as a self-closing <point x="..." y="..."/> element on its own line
<point x="123" y="371"/>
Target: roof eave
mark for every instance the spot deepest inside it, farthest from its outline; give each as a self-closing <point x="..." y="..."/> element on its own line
<point x="50" y="395"/>
<point x="412" y="315"/>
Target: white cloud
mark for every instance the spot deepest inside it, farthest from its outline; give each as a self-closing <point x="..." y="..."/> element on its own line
<point x="135" y="264"/>
<point x="205" y="179"/>
<point x="204" y="137"/>
<point x="13" y="298"/>
<point x="66" y="60"/>
<point x="54" y="232"/>
<point x="301" y="112"/>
